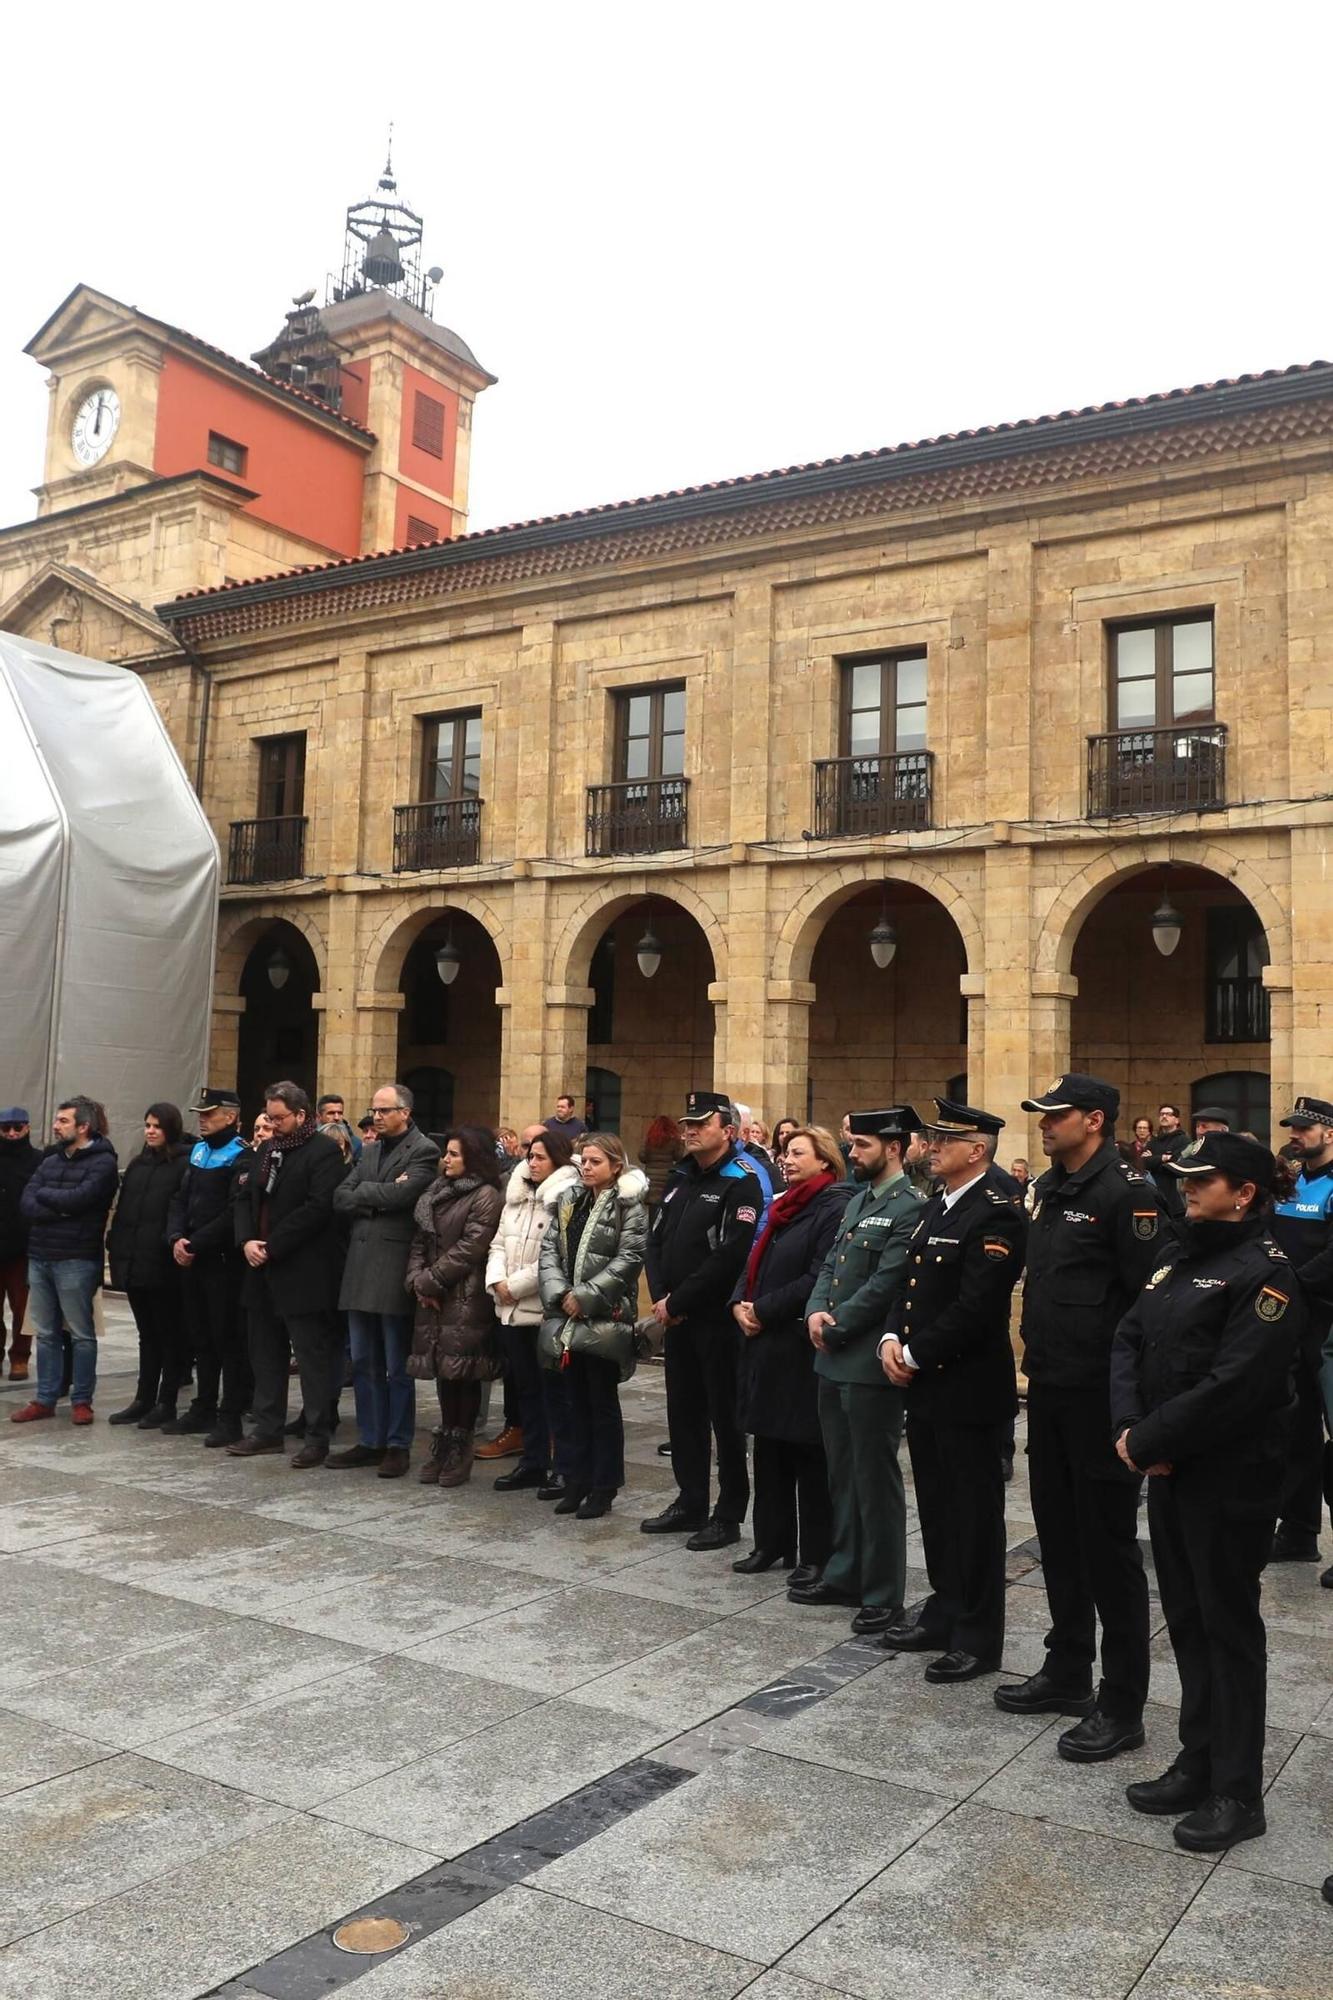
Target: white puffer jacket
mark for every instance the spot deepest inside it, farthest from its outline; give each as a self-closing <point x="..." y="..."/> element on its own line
<point x="515" y="1246"/>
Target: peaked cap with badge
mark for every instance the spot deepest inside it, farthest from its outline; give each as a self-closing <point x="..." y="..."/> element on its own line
<point x="1077" y="1092"/>
<point x="899" y="1121"/>
<point x="701" y="1104"/>
<point x="953" y="1120"/>
<point x="1309" y="1111"/>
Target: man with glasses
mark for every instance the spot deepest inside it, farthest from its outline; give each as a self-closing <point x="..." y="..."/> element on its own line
<point x="18" y="1159"/>
<point x="377" y="1198"/>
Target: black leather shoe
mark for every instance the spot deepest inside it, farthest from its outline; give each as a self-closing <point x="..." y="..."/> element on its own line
<point x="664" y="1450"/>
<point x="759" y="1560"/>
<point x="873" y="1619"/>
<point x="192" y="1420"/>
<point x="1174" y="1792"/>
<point x="153" y="1420"/>
<point x="1039" y="1694"/>
<point x="594" y="1504"/>
<point x="960" y="1667"/>
<point x="715" y="1534"/>
<point x="521" y="1476"/>
<point x="554" y="1489"/>
<point x="130" y="1414"/>
<point x="1100" y="1736"/>
<point x="906" y="1636"/>
<point x="570" y="1500"/>
<point x="1327" y="1891"/>
<point x="803" y="1575"/>
<point x="1219" y="1823"/>
<point x="224" y="1432"/>
<point x="1290" y="1545"/>
<point x="819" y="1592"/>
<point x="673" y="1520"/>
<point x="1326" y="1579"/>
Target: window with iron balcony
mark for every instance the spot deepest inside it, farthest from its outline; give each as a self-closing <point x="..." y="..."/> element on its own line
<point x="443" y="828"/>
<point x="644" y="809"/>
<point x="881" y="779"/>
<point x="1165" y="751"/>
<point x="271" y="847"/>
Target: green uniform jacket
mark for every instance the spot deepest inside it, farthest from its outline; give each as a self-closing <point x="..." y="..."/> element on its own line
<point x="860" y="1277"/>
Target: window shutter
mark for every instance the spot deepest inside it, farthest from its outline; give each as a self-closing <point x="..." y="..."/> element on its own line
<point x="428" y="425"/>
<point x="421" y="531"/>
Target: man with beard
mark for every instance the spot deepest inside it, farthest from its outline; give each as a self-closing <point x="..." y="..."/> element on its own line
<point x="860" y="1411"/>
<point x="1302" y="1226"/>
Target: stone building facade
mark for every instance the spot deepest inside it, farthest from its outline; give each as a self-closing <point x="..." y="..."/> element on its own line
<point x="1002" y="694"/>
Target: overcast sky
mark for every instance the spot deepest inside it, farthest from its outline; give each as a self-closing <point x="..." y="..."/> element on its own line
<point x="694" y="240"/>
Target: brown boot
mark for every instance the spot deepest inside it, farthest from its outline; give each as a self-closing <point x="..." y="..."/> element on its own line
<point x="429" y="1474"/>
<point x="394" y="1463"/>
<point x="509" y="1444"/>
<point x="459" y="1452"/>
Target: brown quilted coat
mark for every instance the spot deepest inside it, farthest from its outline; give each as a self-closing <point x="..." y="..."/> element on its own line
<point x="454" y="1338"/>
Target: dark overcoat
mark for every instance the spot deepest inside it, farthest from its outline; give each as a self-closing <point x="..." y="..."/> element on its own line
<point x="778" y="1388"/>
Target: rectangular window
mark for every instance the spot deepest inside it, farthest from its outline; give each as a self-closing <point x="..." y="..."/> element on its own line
<point x="428" y="424"/>
<point x="650" y="733"/>
<point x="884" y="705"/>
<point x="421" y="531"/>
<point x="451" y="756"/>
<point x="226" y="453"/>
<point x="281" y="776"/>
<point x="1162" y="674"/>
<point x="1235" y="998"/>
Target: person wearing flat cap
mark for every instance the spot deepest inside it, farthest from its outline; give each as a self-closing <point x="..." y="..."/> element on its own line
<point x="860" y="1410"/>
<point x="1201" y="1402"/>
<point x="1096" y="1233"/>
<point x="948" y="1347"/>
<point x="1302" y="1225"/>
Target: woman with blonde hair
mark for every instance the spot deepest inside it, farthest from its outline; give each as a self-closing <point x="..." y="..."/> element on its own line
<point x="778" y="1402"/>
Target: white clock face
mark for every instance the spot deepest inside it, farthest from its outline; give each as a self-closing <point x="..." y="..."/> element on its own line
<point x="95" y="423"/>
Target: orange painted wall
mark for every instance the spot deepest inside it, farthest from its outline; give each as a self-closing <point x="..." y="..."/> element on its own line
<point x="418" y="506"/>
<point x="356" y="393"/>
<point x="423" y="466"/>
<point x="307" y="480"/>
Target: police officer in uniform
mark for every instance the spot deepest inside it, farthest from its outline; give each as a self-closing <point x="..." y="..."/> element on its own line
<point x="1302" y="1225"/>
<point x="860" y="1411"/>
<point x="948" y="1348"/>
<point x="1201" y="1401"/>
<point x="697" y="1248"/>
<point x="199" y="1230"/>
<point x="1096" y="1233"/>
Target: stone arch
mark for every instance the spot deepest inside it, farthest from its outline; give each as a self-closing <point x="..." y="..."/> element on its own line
<point x="794" y="950"/>
<point x="574" y="948"/>
<point x="239" y="933"/>
<point x="397" y="931"/>
<point x="1079" y="896"/>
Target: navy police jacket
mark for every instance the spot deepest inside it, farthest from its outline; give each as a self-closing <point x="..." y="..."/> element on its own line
<point x="701" y="1236"/>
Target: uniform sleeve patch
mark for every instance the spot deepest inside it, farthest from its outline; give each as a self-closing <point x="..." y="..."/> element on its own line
<point x="747" y="1215"/>
<point x="1271" y="1304"/>
<point x="1145" y="1223"/>
<point x="994" y="1248"/>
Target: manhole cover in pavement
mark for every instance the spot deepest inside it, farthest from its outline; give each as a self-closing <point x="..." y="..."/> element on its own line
<point x="370" y="1934"/>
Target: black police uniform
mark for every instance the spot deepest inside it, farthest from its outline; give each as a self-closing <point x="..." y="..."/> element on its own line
<point x="1302" y="1226"/>
<point x="1201" y="1378"/>
<point x="952" y="1316"/>
<point x="1094" y="1237"/>
<point x="697" y="1248"/>
<point x="200" y="1215"/>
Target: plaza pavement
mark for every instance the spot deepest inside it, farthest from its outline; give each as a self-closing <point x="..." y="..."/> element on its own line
<point x="241" y="1704"/>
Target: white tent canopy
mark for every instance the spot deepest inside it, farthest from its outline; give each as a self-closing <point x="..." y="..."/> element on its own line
<point x="108" y="894"/>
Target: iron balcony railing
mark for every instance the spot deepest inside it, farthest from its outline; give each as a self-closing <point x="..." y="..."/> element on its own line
<point x="873" y="794"/>
<point x="266" y="850"/>
<point x="1157" y="770"/>
<point x="1238" y="1010"/>
<point x="442" y="833"/>
<point x="643" y="816"/>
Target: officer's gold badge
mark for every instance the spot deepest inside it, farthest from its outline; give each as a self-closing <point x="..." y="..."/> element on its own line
<point x="1145" y="1223"/>
<point x="1271" y="1304"/>
<point x="1163" y="1271"/>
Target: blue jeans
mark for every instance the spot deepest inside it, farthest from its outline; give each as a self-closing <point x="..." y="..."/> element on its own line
<point x="384" y="1392"/>
<point x="60" y="1294"/>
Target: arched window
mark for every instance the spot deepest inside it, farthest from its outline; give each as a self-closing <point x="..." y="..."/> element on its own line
<point x="1241" y="1093"/>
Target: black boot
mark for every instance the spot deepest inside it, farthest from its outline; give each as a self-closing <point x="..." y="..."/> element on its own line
<point x="130" y="1414"/>
<point x="154" y="1419"/>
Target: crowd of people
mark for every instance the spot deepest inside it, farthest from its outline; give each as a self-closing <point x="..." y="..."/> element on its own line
<point x="821" y="1296"/>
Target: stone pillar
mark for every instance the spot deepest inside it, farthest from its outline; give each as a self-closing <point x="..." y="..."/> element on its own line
<point x="1310" y="1052"/>
<point x="564" y="1055"/>
<point x="741" y="1000"/>
<point x="524" y="1025"/>
<point x="339" y="1041"/>
<point x="224" y="1040"/>
<point x="717" y="994"/>
<point x="346" y="717"/>
<point x="538" y="777"/>
<point x="1009" y="678"/>
<point x="376" y="1059"/>
<point x="787" y="1049"/>
<point x="751" y="666"/>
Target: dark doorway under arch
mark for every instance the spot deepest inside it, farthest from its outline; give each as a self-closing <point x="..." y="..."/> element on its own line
<point x="278" y="1035"/>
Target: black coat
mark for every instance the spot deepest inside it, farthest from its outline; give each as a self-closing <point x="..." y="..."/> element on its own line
<point x="18" y="1158"/>
<point x="201" y="1207"/>
<point x="305" y="1253"/>
<point x="952" y="1309"/>
<point x="67" y="1200"/>
<point x="138" y="1249"/>
<point x="778" y="1388"/>
<point x="1202" y="1363"/>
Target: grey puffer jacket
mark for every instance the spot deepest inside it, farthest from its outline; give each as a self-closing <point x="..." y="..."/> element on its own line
<point x="603" y="1276"/>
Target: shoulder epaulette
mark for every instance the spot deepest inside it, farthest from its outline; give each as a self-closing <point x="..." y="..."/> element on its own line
<point x="1278" y="1256"/>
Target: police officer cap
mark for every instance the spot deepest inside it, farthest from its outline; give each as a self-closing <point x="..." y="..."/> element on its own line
<point x="1229" y="1153"/>
<point x="951" y="1119"/>
<point x="215" y="1100"/>
<point x="1309" y="1111"/>
<point x="701" y="1104"/>
<point x="1077" y="1093"/>
<point x="898" y="1122"/>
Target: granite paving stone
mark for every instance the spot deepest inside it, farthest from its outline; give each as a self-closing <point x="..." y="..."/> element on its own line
<point x="414" y="1601"/>
<point x="703" y="1580"/>
<point x="749" y="1855"/>
<point x="1245" y="1937"/>
<point x="684" y="1683"/>
<point x="53" y="1619"/>
<point x="34" y="1753"/>
<point x="993" y="1906"/>
<point x="451" y="1800"/>
<point x="100" y="1830"/>
<point x="1300" y="1677"/>
<point x="556" y="1643"/>
<point x="526" y="1945"/>
<point x="208" y="1920"/>
<point x="1299" y="1809"/>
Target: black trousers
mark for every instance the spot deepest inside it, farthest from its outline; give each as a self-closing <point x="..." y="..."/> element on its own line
<point x="525" y="1404"/>
<point x="164" y="1345"/>
<point x="702" y="1358"/>
<point x="216" y="1322"/>
<point x="316" y="1339"/>
<point x="1086" y="1506"/>
<point x="460" y="1405"/>
<point x="958" y="1473"/>
<point x="1212" y="1526"/>
<point x="595" y="1434"/>
<point x="792" y="1511"/>
<point x="1308" y="1481"/>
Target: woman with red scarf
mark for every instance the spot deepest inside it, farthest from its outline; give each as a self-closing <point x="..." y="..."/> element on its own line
<point x="777" y="1380"/>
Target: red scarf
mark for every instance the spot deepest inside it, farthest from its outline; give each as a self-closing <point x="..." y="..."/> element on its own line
<point x="784" y="1209"/>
